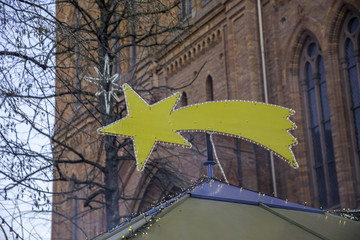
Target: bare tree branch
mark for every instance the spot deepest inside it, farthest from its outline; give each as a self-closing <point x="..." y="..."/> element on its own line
<point x="25" y="57"/>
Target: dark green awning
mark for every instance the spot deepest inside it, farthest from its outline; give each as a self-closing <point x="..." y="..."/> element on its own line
<point x="218" y="211"/>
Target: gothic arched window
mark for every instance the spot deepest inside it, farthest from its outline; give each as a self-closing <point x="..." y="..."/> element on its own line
<point x="312" y="72"/>
<point x="184" y="100"/>
<point x="186" y="8"/>
<point x="209" y="89"/>
<point x="350" y="59"/>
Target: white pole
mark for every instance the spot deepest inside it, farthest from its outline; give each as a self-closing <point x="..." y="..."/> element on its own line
<point x="265" y="86"/>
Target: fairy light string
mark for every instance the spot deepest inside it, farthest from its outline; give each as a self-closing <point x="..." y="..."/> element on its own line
<point x="11" y="229"/>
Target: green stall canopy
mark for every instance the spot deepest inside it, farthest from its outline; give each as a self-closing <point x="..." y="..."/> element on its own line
<point x="213" y="210"/>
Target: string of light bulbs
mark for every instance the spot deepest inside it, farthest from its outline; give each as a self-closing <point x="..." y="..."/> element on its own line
<point x="11" y="229"/>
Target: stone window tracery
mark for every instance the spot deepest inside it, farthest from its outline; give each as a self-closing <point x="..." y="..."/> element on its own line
<point x="350" y="58"/>
<point x="312" y="73"/>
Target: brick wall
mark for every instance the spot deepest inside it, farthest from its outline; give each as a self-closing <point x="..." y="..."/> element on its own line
<point x="224" y="44"/>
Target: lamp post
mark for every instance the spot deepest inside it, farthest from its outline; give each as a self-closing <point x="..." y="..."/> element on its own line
<point x="210" y="157"/>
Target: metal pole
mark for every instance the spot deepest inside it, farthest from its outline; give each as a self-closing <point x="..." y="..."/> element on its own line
<point x="210" y="158"/>
<point x="265" y="87"/>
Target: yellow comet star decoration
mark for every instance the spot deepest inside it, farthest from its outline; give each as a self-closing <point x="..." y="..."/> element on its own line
<point x="264" y="124"/>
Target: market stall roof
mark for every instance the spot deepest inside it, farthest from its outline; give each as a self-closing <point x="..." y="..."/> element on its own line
<point x="223" y="192"/>
<point x="213" y="210"/>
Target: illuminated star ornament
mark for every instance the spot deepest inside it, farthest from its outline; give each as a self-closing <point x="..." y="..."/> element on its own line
<point x="109" y="80"/>
<point x="264" y="124"/>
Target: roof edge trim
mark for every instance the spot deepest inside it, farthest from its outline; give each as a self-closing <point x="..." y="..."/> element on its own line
<point x="313" y="210"/>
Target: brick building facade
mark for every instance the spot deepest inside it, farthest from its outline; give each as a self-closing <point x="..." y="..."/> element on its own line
<point x="312" y="64"/>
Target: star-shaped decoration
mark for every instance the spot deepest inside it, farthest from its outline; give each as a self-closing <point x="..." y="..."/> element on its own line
<point x="110" y="80"/>
<point x="146" y="124"/>
<point x="264" y="124"/>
